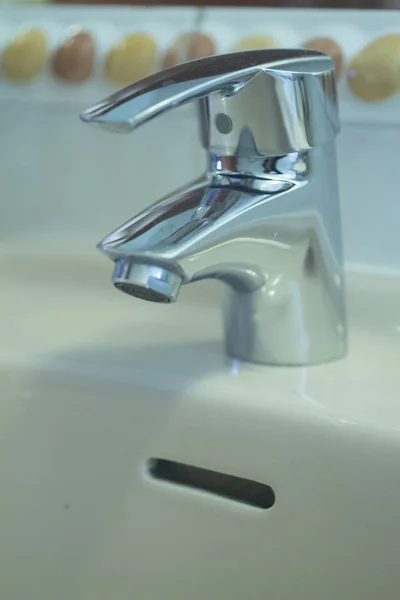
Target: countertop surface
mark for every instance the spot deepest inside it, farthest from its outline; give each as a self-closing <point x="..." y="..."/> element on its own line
<point x="61" y="314"/>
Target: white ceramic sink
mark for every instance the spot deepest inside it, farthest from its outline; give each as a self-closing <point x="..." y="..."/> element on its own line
<point x="95" y="383"/>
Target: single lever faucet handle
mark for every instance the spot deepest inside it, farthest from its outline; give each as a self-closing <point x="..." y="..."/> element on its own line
<point x="269" y="101"/>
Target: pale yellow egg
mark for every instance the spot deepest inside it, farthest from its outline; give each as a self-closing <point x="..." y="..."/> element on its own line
<point x="25" y="56"/>
<point x="255" y="42"/>
<point x="374" y="73"/>
<point x="131" y="59"/>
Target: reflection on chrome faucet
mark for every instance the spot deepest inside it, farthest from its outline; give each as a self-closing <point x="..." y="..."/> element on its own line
<point x="264" y="219"/>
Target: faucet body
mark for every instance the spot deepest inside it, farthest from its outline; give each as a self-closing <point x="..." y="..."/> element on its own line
<point x="264" y="219"/>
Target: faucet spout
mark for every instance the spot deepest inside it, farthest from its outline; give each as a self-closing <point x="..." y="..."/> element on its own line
<point x="272" y="240"/>
<point x="213" y="229"/>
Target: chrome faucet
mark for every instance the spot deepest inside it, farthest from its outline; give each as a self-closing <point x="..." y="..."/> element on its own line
<point x="264" y="218"/>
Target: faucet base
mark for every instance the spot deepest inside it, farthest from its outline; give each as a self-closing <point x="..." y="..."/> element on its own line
<point x="273" y="326"/>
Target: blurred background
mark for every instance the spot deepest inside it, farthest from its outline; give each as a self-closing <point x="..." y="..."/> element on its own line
<point x="361" y="4"/>
<point x="63" y="180"/>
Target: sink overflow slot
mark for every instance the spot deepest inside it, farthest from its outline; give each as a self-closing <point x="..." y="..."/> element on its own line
<point x="241" y="490"/>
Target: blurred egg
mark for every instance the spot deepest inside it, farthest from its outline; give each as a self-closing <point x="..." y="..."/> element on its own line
<point x="374" y="73"/>
<point x="25" y="56"/>
<point x="255" y="42"/>
<point x="331" y="48"/>
<point x="131" y="59"/>
<point x="189" y="46"/>
<point x="74" y="59"/>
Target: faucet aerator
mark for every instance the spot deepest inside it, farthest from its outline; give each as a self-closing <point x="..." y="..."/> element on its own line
<point x="146" y="281"/>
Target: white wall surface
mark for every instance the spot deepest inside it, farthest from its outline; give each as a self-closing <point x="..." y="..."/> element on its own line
<point x="68" y="184"/>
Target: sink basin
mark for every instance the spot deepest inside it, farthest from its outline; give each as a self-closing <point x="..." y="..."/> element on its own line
<point x="95" y="384"/>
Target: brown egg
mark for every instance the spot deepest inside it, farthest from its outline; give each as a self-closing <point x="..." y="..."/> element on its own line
<point x="329" y="47"/>
<point x="25" y="56"/>
<point x="131" y="59"/>
<point x="374" y="73"/>
<point x="189" y="46"/>
<point x="74" y="59"/>
<point x="255" y="42"/>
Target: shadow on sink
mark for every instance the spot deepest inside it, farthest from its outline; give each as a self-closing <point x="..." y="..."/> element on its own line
<point x="172" y="365"/>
